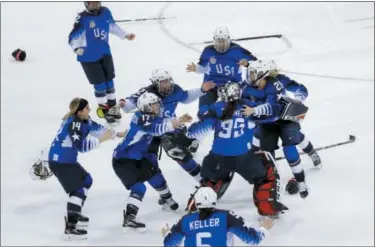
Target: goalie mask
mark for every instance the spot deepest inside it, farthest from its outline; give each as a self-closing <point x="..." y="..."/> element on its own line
<point x="40" y="169"/>
<point x="150" y="103"/>
<point x="258" y="70"/>
<point x="230" y="91"/>
<point x="93" y="7"/>
<point x="163" y="81"/>
<point x="221" y="39"/>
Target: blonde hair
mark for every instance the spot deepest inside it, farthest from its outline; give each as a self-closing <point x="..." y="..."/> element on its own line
<point x="73" y="106"/>
<point x="273" y="73"/>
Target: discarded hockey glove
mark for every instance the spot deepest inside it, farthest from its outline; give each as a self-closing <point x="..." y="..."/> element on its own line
<point x="292" y="186"/>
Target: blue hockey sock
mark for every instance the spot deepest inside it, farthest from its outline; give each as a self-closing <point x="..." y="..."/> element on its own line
<point x="193" y="168"/>
<point x="292" y="156"/>
<point x="159" y="183"/>
<point x="137" y="192"/>
<point x="101" y="93"/>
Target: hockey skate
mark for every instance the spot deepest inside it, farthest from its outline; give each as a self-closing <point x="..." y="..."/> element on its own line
<point x="110" y="114"/>
<point x="168" y="203"/>
<point x="130" y="222"/>
<point x="316" y="159"/>
<point x="72" y="232"/>
<point x="83" y="222"/>
<point x="302" y="187"/>
<point x="114" y="112"/>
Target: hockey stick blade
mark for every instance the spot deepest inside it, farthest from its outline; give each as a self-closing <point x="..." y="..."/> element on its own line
<point x="146" y="19"/>
<point x="243" y="39"/>
<point x="352" y="138"/>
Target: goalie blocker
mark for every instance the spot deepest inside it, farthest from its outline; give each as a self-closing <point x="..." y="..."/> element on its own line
<point x="266" y="191"/>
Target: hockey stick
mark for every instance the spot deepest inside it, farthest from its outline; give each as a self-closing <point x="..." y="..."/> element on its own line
<point x="242" y="39"/>
<point x="352" y="138"/>
<point x="146" y="19"/>
<point x="359" y="19"/>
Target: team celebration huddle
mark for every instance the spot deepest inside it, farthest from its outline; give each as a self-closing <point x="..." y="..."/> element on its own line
<point x="244" y="102"/>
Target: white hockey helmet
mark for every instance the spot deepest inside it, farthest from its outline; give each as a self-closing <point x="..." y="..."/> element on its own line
<point x="92" y="6"/>
<point x="40" y="169"/>
<point x="230" y="91"/>
<point x="221" y="39"/>
<point x="205" y="197"/>
<point x="145" y="102"/>
<point x="163" y="81"/>
<point x="258" y="70"/>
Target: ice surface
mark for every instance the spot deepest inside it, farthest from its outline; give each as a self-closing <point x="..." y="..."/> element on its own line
<point x="36" y="93"/>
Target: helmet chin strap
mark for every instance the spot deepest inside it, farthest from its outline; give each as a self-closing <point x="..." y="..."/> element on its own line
<point x="261" y="78"/>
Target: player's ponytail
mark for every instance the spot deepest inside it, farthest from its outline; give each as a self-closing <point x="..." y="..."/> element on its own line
<point x="205" y="213"/>
<point x="273" y="73"/>
<point x="229" y="110"/>
<point x="73" y="106"/>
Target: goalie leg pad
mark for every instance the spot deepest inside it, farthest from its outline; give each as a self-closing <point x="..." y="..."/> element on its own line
<point x="266" y="193"/>
<point x="220" y="187"/>
<point x="266" y="196"/>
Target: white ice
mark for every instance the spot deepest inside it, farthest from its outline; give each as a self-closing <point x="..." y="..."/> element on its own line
<point x="36" y="93"/>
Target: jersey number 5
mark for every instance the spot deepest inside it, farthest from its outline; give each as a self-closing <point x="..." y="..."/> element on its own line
<point x="200" y="236"/>
<point x="232" y="125"/>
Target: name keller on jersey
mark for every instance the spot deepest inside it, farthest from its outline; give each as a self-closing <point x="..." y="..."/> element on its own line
<point x="198" y="224"/>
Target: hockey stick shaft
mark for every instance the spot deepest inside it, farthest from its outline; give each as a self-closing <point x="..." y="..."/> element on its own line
<point x="352" y="138"/>
<point x="146" y="19"/>
<point x="243" y="39"/>
<point x="359" y="19"/>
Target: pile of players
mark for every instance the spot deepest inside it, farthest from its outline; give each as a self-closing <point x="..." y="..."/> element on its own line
<point x="248" y="117"/>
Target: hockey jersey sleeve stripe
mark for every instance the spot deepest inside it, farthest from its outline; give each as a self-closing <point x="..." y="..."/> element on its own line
<point x="159" y="129"/>
<point x="248" y="235"/>
<point x="263" y="109"/>
<point x="89" y="144"/>
<point x="117" y="30"/>
<point x="192" y="95"/>
<point x="78" y="39"/>
<point x="200" y="129"/>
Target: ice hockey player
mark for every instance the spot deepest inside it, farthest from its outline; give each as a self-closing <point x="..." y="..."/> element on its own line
<point x="78" y="133"/>
<point x="220" y="62"/>
<point x="89" y="40"/>
<point x="176" y="144"/>
<point x="278" y="96"/>
<point x="131" y="159"/>
<point x="213" y="227"/>
<point x="231" y="152"/>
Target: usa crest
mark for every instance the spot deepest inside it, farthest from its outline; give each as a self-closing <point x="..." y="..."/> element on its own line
<point x="92" y="24"/>
<point x="212" y="60"/>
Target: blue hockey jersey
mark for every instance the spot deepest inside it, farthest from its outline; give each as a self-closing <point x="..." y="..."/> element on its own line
<point x="170" y="102"/>
<point x="138" y="138"/>
<point x="232" y="137"/>
<point x="75" y="135"/>
<point x="268" y="101"/>
<point x="222" y="67"/>
<point x="216" y="230"/>
<point x="91" y="32"/>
